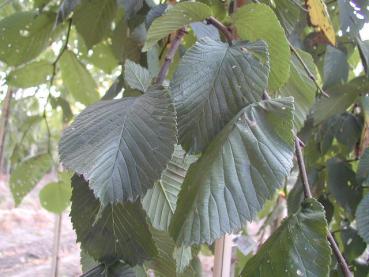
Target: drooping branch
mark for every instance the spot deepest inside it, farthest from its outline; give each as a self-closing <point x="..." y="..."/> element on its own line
<point x="222" y="28"/>
<point x="4" y="123"/>
<point x="170" y="56"/>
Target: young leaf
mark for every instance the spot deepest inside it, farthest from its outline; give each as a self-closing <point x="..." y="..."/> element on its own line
<point x="27" y="174"/>
<point x="299" y="247"/>
<point x="240" y="169"/>
<point x="362" y="218"/>
<point x="335" y="68"/>
<point x="77" y="79"/>
<point x="122" y="146"/>
<point x="213" y="82"/>
<point x="176" y="17"/>
<point x="117" y="231"/>
<point x="55" y="197"/>
<point x="258" y="21"/>
<point x="136" y="76"/>
<point x="30" y="75"/>
<point x="93" y="19"/>
<point x="160" y="201"/>
<point x="24" y="35"/>
<point x="301" y="87"/>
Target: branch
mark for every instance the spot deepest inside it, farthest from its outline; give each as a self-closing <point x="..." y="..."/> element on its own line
<point x="222" y="28"/>
<point x="170" y="56"/>
<point x="4" y="123"/>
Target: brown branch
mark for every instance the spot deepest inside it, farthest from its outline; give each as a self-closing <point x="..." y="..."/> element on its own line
<point x="170" y="56"/>
<point x="5" y="112"/>
<point x="221" y="27"/>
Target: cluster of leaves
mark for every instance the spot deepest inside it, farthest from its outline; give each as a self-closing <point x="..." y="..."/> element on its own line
<point x="162" y="168"/>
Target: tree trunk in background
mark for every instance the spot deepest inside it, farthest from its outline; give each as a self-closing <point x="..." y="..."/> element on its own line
<point x="223" y="256"/>
<point x="4" y="124"/>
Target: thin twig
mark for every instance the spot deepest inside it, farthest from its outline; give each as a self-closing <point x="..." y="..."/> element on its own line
<point x="4" y="123"/>
<point x="170" y="56"/>
<point x="308" y="72"/>
<point x="221" y="27"/>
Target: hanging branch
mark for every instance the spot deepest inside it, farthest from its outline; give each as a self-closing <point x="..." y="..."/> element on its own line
<point x="4" y="123"/>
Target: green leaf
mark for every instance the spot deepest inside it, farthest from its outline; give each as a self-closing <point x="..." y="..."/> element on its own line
<point x="183" y="257"/>
<point x="342" y="185"/>
<point x="288" y="13"/>
<point x="240" y="169"/>
<point x="342" y="97"/>
<point x="24" y="35"/>
<point x="55" y="197"/>
<point x="117" y="269"/>
<point x="77" y="79"/>
<point x="362" y="218"/>
<point x="354" y="245"/>
<point x="65" y="9"/>
<point x="258" y="21"/>
<point x="122" y="146"/>
<point x="160" y="201"/>
<point x="93" y="19"/>
<point x="176" y="17"/>
<point x="362" y="174"/>
<point x="64" y="105"/>
<point x="335" y="68"/>
<point x="364" y="53"/>
<point x="27" y="174"/>
<point x="136" y="76"/>
<point x="114" y="89"/>
<point x="154" y="12"/>
<point x="102" y="56"/>
<point x="131" y="7"/>
<point x="30" y="75"/>
<point x="87" y="262"/>
<point x="301" y="87"/>
<point x="115" y="232"/>
<point x="213" y="82"/>
<point x="299" y="247"/>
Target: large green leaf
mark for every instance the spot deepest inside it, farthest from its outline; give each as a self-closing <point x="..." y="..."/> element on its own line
<point x="176" y="17"/>
<point x="299" y="247"/>
<point x="27" y="174"/>
<point x="101" y="56"/>
<point x="362" y="218"/>
<point x="335" y="68"/>
<point x="122" y="146"/>
<point x="77" y="79"/>
<point x="288" y="13"/>
<point x="342" y="97"/>
<point x="342" y="184"/>
<point x="30" y="75"/>
<point x="362" y="174"/>
<point x="117" y="269"/>
<point x="213" y="82"/>
<point x="301" y="87"/>
<point x="241" y="168"/>
<point x="258" y="21"/>
<point x="160" y="201"/>
<point x="55" y="197"/>
<point x="24" y="35"/>
<point x="136" y="76"/>
<point x="93" y="19"/>
<point x="117" y="231"/>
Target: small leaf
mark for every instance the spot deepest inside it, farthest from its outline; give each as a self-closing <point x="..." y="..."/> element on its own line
<point x="24" y="35"/>
<point x="55" y="197"/>
<point x="240" y="169"/>
<point x="362" y="218"/>
<point x="122" y="146"/>
<point x="319" y="18"/>
<point x="258" y="21"/>
<point x="30" y="75"/>
<point x="27" y="174"/>
<point x="335" y="68"/>
<point x="213" y="82"/>
<point x="176" y="17"/>
<point x="299" y="247"/>
<point x="77" y="79"/>
<point x="136" y="76"/>
<point x="93" y="19"/>
<point x="65" y="9"/>
<point x="115" y="232"/>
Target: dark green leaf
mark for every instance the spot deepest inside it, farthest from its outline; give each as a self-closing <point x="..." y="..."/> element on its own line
<point x="27" y="175"/>
<point x="131" y="7"/>
<point x="364" y="53"/>
<point x="122" y="146"/>
<point x="240" y="169"/>
<point x="30" y="75"/>
<point x="297" y="248"/>
<point x="176" y="17"/>
<point x="102" y="56"/>
<point x="362" y="174"/>
<point x="202" y="30"/>
<point x="342" y="185"/>
<point x="115" y="232"/>
<point x="154" y="13"/>
<point x="258" y="21"/>
<point x="362" y="218"/>
<point x="117" y="269"/>
<point x="93" y="19"/>
<point x="136" y="76"/>
<point x="288" y="14"/>
<point x="353" y="244"/>
<point x="183" y="257"/>
<point x="213" y="82"/>
<point x="77" y="79"/>
<point x="335" y="68"/>
<point x="24" y="35"/>
<point x="114" y="89"/>
<point x="65" y="9"/>
<point x="64" y="104"/>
